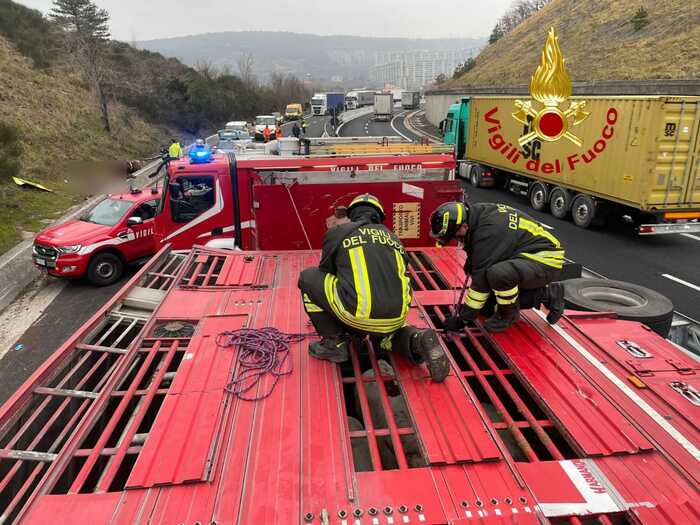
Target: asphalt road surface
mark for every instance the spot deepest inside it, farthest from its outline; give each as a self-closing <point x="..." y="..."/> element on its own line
<point x="666" y="263"/>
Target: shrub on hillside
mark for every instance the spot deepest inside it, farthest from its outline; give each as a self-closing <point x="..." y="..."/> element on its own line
<point x="10" y="151"/>
<point x="33" y="35"/>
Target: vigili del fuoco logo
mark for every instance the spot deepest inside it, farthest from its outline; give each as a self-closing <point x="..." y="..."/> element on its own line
<point x="546" y="117"/>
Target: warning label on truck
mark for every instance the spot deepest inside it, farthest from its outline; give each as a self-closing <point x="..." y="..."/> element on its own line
<point x="407" y="220"/>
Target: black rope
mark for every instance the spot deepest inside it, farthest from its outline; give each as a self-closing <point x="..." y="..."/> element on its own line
<point x="261" y="351"/>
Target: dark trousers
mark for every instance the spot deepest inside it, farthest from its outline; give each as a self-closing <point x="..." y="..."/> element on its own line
<point x="311" y="284"/>
<point x="531" y="277"/>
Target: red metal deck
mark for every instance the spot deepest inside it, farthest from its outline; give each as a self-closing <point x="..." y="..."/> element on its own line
<point x="593" y="421"/>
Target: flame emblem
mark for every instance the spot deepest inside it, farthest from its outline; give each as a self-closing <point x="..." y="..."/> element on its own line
<point x="550" y="86"/>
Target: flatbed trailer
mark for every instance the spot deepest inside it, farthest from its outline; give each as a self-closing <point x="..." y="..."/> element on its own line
<point x="591" y="421"/>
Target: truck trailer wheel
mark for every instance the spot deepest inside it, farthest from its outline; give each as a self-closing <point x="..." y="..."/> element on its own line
<point x="104" y="269"/>
<point x="583" y="210"/>
<point x="538" y="196"/>
<point x="629" y="301"/>
<point x="560" y="202"/>
<point x="475" y="176"/>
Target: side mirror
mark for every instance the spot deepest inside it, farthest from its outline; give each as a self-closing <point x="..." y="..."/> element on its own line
<point x="133" y="221"/>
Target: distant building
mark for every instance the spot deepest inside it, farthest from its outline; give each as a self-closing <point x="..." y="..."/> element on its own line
<point x="416" y="69"/>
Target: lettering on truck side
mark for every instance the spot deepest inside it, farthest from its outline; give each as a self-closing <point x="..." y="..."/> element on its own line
<point x="589" y="477"/>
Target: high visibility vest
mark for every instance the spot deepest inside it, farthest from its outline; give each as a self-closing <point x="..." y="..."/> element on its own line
<point x="266" y="132"/>
<point x="175" y="150"/>
<point x="278" y="132"/>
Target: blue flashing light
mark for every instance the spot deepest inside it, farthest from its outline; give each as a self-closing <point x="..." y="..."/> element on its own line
<point x="200" y="154"/>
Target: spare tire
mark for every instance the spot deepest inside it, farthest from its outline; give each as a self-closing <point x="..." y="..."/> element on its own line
<point x="629" y="301"/>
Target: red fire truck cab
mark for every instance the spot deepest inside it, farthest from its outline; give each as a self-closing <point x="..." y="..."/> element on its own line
<point x="272" y="202"/>
<point x="116" y="231"/>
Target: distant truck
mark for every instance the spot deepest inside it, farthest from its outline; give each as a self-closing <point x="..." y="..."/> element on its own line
<point x="351" y="100"/>
<point x="293" y="112"/>
<point x="410" y="99"/>
<point x="634" y="155"/>
<point x="365" y="98"/>
<point x="116" y="231"/>
<point x="383" y="106"/>
<point x="318" y="104"/>
<point x="335" y="103"/>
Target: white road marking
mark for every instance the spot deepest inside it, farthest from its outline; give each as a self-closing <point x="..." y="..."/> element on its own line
<point x="25" y="310"/>
<point x="691" y="236"/>
<point x="396" y="130"/>
<point x="681" y="281"/>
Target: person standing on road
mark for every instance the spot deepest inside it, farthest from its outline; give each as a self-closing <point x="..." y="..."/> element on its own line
<point x="296" y="130"/>
<point x="304" y="125"/>
<point x="509" y="254"/>
<point x="175" y="149"/>
<point x="266" y="134"/>
<point x="361" y="287"/>
<point x="278" y="132"/>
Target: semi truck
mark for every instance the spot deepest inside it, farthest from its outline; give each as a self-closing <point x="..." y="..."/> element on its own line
<point x="365" y="98"/>
<point x="327" y="103"/>
<point x="383" y="106"/>
<point x="632" y="155"/>
<point x="318" y="104"/>
<point x="410" y="99"/>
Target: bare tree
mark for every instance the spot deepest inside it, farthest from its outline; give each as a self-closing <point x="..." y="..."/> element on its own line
<point x="246" y="65"/>
<point x="516" y="14"/>
<point x="86" y="31"/>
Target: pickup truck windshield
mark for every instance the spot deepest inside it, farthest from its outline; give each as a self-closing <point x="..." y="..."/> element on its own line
<point x="265" y="121"/>
<point x="108" y="212"/>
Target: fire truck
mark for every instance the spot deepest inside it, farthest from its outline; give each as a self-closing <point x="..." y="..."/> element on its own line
<point x="134" y="420"/>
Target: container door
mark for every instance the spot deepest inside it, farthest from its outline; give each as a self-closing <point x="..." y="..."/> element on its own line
<point x="692" y="196"/>
<point x="676" y="168"/>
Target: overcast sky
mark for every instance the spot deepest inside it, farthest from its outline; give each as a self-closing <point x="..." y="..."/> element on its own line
<point x="147" y="19"/>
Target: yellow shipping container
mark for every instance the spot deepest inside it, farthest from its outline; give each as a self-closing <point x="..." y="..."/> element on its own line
<point x="640" y="151"/>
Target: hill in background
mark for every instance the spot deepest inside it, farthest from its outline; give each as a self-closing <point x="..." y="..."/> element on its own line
<point x="58" y="123"/>
<point x="599" y="42"/>
<point x="321" y="57"/>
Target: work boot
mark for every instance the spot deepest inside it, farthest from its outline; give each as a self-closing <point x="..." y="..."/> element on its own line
<point x="333" y="349"/>
<point x="426" y="344"/>
<point x="503" y="318"/>
<point x="554" y="301"/>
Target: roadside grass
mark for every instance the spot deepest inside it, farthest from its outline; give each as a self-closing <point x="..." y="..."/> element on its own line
<point x="25" y="210"/>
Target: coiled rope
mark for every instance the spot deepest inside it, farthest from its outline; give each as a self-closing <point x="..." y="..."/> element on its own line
<point x="261" y="351"/>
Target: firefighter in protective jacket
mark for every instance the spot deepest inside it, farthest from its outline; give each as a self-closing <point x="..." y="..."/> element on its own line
<point x="361" y="287"/>
<point x="509" y="255"/>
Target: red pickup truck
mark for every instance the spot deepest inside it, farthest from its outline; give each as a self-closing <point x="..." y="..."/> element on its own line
<point x="116" y="231"/>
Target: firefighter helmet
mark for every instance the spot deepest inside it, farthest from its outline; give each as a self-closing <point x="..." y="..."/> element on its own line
<point x="367" y="199"/>
<point x="446" y="220"/>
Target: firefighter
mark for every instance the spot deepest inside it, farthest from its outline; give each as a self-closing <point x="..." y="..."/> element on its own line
<point x="508" y="254"/>
<point x="278" y="132"/>
<point x="361" y="287"/>
<point x="304" y="125"/>
<point x="175" y="150"/>
<point x="266" y="134"/>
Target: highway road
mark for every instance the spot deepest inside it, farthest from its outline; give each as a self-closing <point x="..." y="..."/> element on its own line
<point x="662" y="263"/>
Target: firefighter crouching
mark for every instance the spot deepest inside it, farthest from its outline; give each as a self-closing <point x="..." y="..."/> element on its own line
<point x="509" y="255"/>
<point x="361" y="287"/>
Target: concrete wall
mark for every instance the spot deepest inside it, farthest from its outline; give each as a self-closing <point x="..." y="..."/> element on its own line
<point x="437" y="101"/>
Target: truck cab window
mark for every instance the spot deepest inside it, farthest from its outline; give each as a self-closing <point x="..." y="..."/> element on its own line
<point x="190" y="196"/>
<point x="146" y="210"/>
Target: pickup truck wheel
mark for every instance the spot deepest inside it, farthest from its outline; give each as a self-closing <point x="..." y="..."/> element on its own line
<point x="475" y="176"/>
<point x="583" y="210"/>
<point x="629" y="301"/>
<point x="538" y="196"/>
<point x="560" y="202"/>
<point x="104" y="269"/>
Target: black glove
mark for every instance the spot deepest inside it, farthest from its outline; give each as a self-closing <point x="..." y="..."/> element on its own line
<point x="464" y="315"/>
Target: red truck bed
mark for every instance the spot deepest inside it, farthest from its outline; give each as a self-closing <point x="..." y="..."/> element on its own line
<point x="540" y="424"/>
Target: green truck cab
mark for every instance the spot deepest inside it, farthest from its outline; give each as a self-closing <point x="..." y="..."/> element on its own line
<point x="454" y="127"/>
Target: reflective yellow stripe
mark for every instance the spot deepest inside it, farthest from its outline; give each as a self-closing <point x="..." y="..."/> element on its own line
<point x="312" y="308"/>
<point x="554" y="262"/>
<point x="362" y="288"/>
<point x="405" y="283"/>
<point x="459" y="214"/>
<point x="479" y="296"/>
<point x="502" y="293"/>
<point x="537" y="230"/>
<point x="476" y="305"/>
<point x="382" y="326"/>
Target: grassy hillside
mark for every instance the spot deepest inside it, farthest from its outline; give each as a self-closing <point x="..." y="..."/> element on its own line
<point x="599" y="43"/>
<point x="59" y="124"/>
